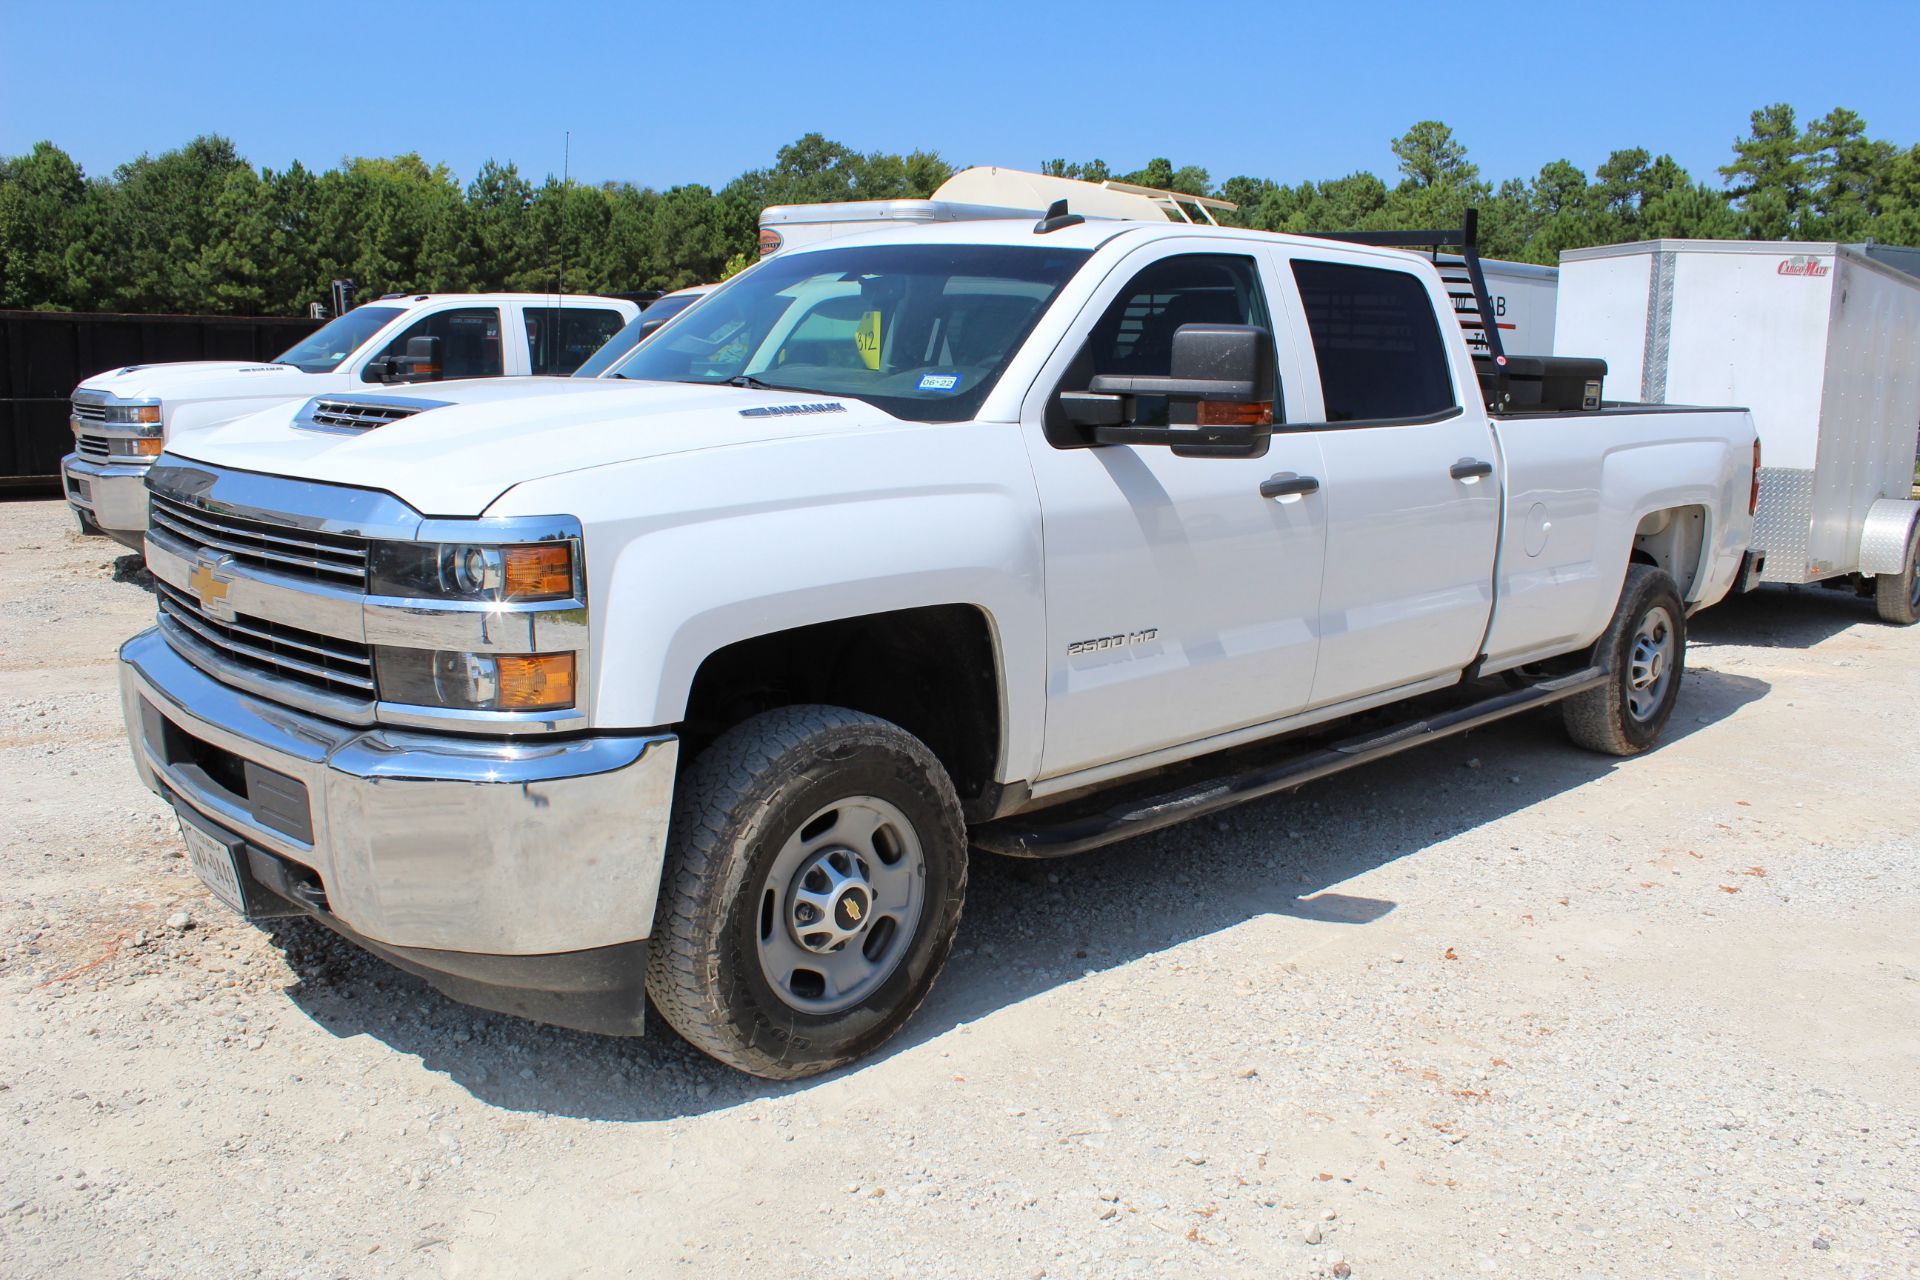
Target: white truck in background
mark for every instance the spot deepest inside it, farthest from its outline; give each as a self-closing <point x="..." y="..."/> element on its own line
<point x="698" y="681"/>
<point x="122" y="419"/>
<point x="1521" y="293"/>
<point x="1822" y="340"/>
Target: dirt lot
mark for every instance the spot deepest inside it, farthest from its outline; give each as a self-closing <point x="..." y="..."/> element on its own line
<point x="1498" y="1007"/>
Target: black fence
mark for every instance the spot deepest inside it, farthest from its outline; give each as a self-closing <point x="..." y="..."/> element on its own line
<point x="45" y="354"/>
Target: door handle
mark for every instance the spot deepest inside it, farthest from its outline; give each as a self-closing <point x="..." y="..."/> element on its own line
<point x="1470" y="469"/>
<point x="1286" y="484"/>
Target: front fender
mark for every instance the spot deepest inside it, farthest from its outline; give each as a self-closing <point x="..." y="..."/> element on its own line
<point x="691" y="552"/>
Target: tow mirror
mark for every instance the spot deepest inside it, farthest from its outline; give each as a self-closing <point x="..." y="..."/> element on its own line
<point x="1220" y="389"/>
<point x="420" y="364"/>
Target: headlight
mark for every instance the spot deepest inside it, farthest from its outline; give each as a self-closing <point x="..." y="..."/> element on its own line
<point x="132" y="415"/>
<point x="475" y="681"/>
<point x="472" y="571"/>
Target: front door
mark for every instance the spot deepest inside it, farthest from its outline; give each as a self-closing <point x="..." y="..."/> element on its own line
<point x="1181" y="602"/>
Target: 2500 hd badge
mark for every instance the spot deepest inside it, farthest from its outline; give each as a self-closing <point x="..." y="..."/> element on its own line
<point x="1121" y="641"/>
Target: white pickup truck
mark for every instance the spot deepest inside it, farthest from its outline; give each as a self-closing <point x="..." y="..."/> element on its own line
<point x="701" y="680"/>
<point x="123" y="418"/>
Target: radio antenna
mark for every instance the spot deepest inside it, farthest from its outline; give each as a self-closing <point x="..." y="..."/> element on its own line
<point x="566" y="187"/>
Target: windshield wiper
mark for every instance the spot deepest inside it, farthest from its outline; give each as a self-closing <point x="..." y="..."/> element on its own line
<point x="748" y="380"/>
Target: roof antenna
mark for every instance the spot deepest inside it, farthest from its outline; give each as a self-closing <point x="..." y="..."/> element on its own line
<point x="566" y="185"/>
<point x="1057" y="217"/>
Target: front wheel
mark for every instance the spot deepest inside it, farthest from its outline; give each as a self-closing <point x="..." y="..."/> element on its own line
<point x="815" y="872"/>
<point x="1896" y="596"/>
<point x="1644" y="649"/>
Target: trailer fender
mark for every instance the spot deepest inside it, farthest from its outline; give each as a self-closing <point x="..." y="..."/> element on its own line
<point x="1885" y="536"/>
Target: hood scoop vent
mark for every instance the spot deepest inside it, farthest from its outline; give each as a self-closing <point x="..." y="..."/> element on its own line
<point x="356" y="414"/>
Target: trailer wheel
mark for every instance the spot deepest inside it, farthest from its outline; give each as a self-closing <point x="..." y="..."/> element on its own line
<point x="1644" y="648"/>
<point x="1896" y="596"/>
<point x="815" y="871"/>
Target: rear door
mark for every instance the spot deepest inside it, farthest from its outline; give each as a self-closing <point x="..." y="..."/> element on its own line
<point x="1411" y="489"/>
<point x="1181" y="602"/>
<point x="559" y="339"/>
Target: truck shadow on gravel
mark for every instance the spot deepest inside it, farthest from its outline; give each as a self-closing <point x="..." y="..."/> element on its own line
<point x="1030" y="927"/>
<point x="133" y="568"/>
<point x="1782" y="617"/>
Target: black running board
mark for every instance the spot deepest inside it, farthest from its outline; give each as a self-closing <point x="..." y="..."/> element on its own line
<point x="1035" y="837"/>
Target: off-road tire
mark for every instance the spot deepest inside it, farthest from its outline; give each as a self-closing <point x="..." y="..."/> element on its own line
<point x="1600" y="719"/>
<point x="1896" y="596"/>
<point x="736" y="805"/>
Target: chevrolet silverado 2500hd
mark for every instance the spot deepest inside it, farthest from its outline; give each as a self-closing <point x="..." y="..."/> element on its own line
<point x="701" y="679"/>
<point x="123" y="418"/>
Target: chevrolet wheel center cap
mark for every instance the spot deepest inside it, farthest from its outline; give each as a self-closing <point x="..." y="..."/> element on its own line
<point x="852" y="909"/>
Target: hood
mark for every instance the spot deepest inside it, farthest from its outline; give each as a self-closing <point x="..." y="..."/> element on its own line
<point x="472" y="441"/>
<point x="190" y="380"/>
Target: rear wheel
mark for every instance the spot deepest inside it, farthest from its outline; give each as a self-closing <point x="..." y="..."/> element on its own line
<point x="814" y="879"/>
<point x="1896" y="596"/>
<point x="1644" y="649"/>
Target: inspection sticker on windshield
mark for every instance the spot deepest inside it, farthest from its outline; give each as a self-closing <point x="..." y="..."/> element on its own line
<point x="939" y="381"/>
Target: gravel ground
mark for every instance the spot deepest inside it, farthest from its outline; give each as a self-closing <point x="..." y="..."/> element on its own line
<point x="1495" y="1007"/>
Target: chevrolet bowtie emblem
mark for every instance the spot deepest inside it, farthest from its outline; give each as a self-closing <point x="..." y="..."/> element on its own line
<point x="853" y="908"/>
<point x="210" y="585"/>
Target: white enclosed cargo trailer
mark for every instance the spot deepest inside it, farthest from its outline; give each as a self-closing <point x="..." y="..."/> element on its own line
<point x="1520" y="293"/>
<point x="1821" y="341"/>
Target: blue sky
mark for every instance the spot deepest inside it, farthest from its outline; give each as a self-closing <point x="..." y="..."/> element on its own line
<point x="659" y="94"/>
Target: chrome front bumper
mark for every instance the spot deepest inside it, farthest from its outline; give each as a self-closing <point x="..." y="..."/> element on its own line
<point x="110" y="495"/>
<point x="483" y="845"/>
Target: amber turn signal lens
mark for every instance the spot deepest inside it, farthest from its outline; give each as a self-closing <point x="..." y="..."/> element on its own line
<point x="535" y="681"/>
<point x="150" y="448"/>
<point x="542" y="570"/>
<point x="1234" y="413"/>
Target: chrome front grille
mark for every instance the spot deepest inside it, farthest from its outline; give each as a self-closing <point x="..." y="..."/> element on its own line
<point x="355" y="415"/>
<point x="95" y="447"/>
<point x="89" y="412"/>
<point x="337" y="559"/>
<point x="289" y="653"/>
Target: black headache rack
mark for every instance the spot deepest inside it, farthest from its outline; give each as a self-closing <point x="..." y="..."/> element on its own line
<point x="1508" y="384"/>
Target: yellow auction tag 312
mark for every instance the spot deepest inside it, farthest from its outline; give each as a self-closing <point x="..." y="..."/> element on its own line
<point x="866" y="339"/>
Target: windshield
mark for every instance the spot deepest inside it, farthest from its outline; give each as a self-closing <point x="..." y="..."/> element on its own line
<point x="631" y="332"/>
<point x="324" y="349"/>
<point x="921" y="331"/>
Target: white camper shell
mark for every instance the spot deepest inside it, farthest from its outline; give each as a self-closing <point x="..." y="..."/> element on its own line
<point x="1821" y="340"/>
<point x="1522" y="294"/>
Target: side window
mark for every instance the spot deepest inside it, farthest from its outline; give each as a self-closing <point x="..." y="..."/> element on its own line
<point x="469" y="341"/>
<point x="1135" y="336"/>
<point x="559" y="339"/>
<point x="1376" y="341"/>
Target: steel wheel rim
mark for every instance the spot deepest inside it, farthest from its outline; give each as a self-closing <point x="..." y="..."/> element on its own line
<point x="840" y="905"/>
<point x="1650" y="663"/>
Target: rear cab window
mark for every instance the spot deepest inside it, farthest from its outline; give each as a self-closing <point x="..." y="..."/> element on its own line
<point x="1376" y="342"/>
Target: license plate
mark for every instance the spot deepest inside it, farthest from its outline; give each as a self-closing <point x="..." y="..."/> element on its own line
<point x="213" y="861"/>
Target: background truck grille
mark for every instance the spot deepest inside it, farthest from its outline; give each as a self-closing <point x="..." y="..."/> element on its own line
<point x="320" y="662"/>
<point x="334" y="558"/>
<point x="355" y="415"/>
<point x="89" y="412"/>
<point x="92" y="447"/>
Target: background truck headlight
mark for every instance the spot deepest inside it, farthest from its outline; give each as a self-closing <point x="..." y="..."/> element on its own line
<point x="132" y="415"/>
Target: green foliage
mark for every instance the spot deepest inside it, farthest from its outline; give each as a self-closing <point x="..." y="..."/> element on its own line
<point x="200" y="230"/>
